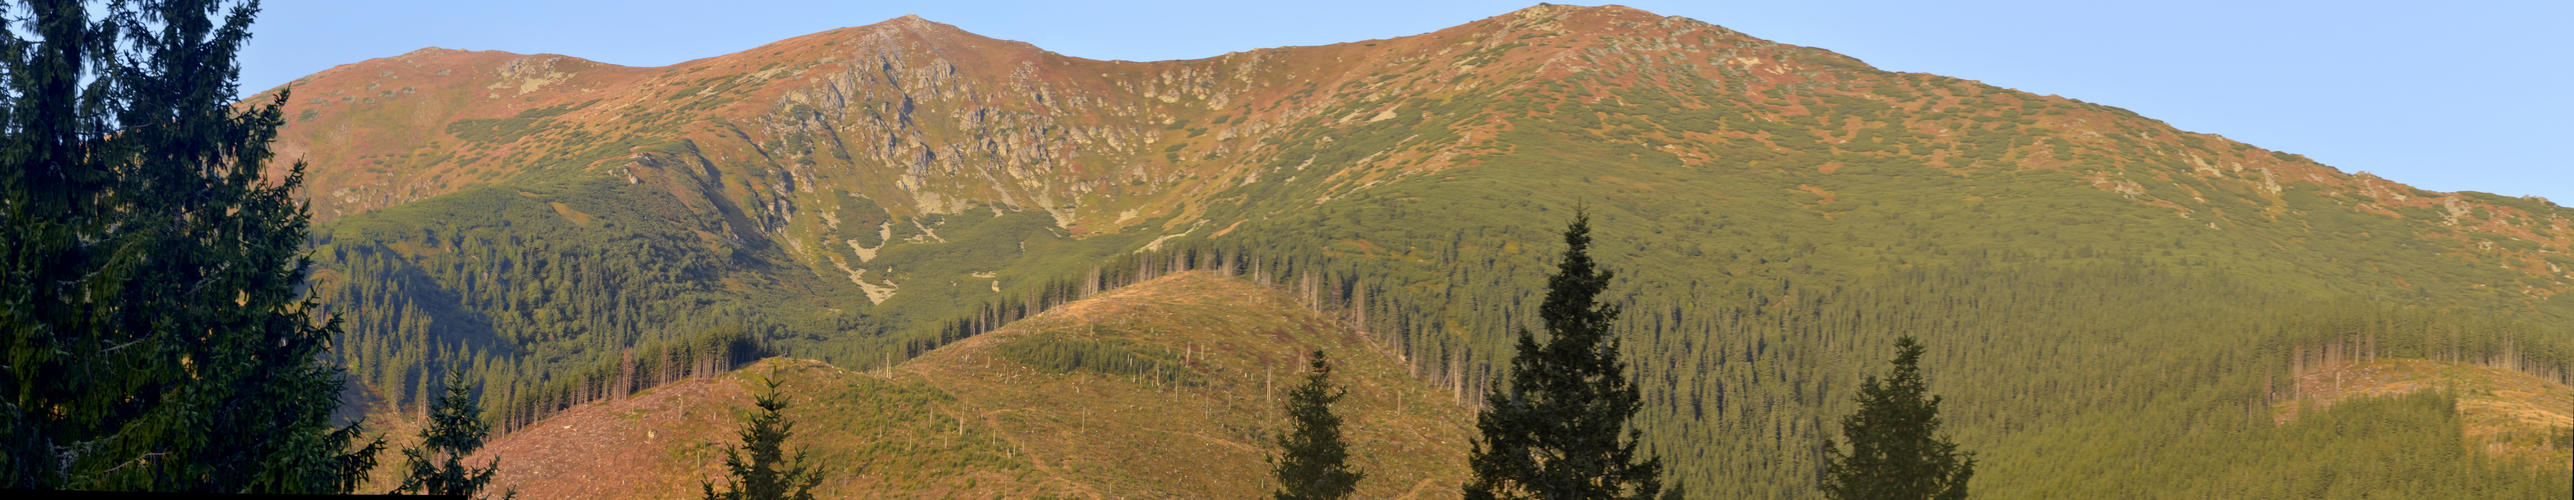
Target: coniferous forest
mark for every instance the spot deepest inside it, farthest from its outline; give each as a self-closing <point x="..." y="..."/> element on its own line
<point x="1634" y="264"/>
<point x="158" y="337"/>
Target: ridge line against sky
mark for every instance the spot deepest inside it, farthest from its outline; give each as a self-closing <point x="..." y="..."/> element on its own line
<point x="2442" y="97"/>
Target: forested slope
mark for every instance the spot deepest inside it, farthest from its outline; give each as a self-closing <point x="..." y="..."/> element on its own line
<point x="2106" y="298"/>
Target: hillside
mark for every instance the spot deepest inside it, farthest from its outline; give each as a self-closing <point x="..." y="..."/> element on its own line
<point x="1777" y="214"/>
<point x="1169" y="397"/>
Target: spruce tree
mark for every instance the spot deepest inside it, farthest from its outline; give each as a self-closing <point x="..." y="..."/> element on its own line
<point x="1554" y="430"/>
<point x="1895" y="450"/>
<point x="154" y="333"/>
<point x="761" y="470"/>
<point x="1313" y="462"/>
<point x="456" y="429"/>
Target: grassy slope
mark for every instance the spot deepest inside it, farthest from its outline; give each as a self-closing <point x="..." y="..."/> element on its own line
<point x="967" y="420"/>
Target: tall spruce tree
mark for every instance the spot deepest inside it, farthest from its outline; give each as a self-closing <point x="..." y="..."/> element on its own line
<point x="456" y="429"/>
<point x="154" y="334"/>
<point x="1559" y="428"/>
<point x="761" y="470"/>
<point x="1895" y="450"/>
<point x="1313" y="462"/>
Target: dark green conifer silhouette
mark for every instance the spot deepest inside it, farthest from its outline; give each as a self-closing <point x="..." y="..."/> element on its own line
<point x="456" y="429"/>
<point x="1314" y="461"/>
<point x="1895" y="450"/>
<point x="154" y="333"/>
<point x="1558" y="428"/>
<point x="761" y="470"/>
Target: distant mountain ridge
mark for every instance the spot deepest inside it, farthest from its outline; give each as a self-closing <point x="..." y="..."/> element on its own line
<point x="989" y="99"/>
<point x="924" y="118"/>
<point x="854" y="195"/>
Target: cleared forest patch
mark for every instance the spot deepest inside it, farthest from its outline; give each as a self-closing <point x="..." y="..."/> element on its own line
<point x="1166" y="388"/>
<point x="2504" y="412"/>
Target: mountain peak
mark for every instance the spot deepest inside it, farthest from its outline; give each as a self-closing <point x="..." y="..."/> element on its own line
<point x="1548" y="8"/>
<point x="430" y="51"/>
<point x="914" y="23"/>
<point x="1560" y="11"/>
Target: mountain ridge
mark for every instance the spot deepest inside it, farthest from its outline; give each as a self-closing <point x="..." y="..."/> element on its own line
<point x="866" y="195"/>
<point x="921" y="30"/>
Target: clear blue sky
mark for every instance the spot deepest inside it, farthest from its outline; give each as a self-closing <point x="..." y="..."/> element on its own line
<point x="2472" y="95"/>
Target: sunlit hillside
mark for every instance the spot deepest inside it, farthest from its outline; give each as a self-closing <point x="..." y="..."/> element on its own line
<point x="1167" y="388"/>
<point x="2112" y="305"/>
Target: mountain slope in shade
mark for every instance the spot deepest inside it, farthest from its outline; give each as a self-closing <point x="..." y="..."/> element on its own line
<point x="1008" y="414"/>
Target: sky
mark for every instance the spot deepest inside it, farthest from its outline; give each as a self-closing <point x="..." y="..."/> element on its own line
<point x="2466" y="95"/>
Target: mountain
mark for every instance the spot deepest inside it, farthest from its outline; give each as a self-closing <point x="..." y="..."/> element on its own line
<point x="1168" y="388"/>
<point x="2098" y="289"/>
